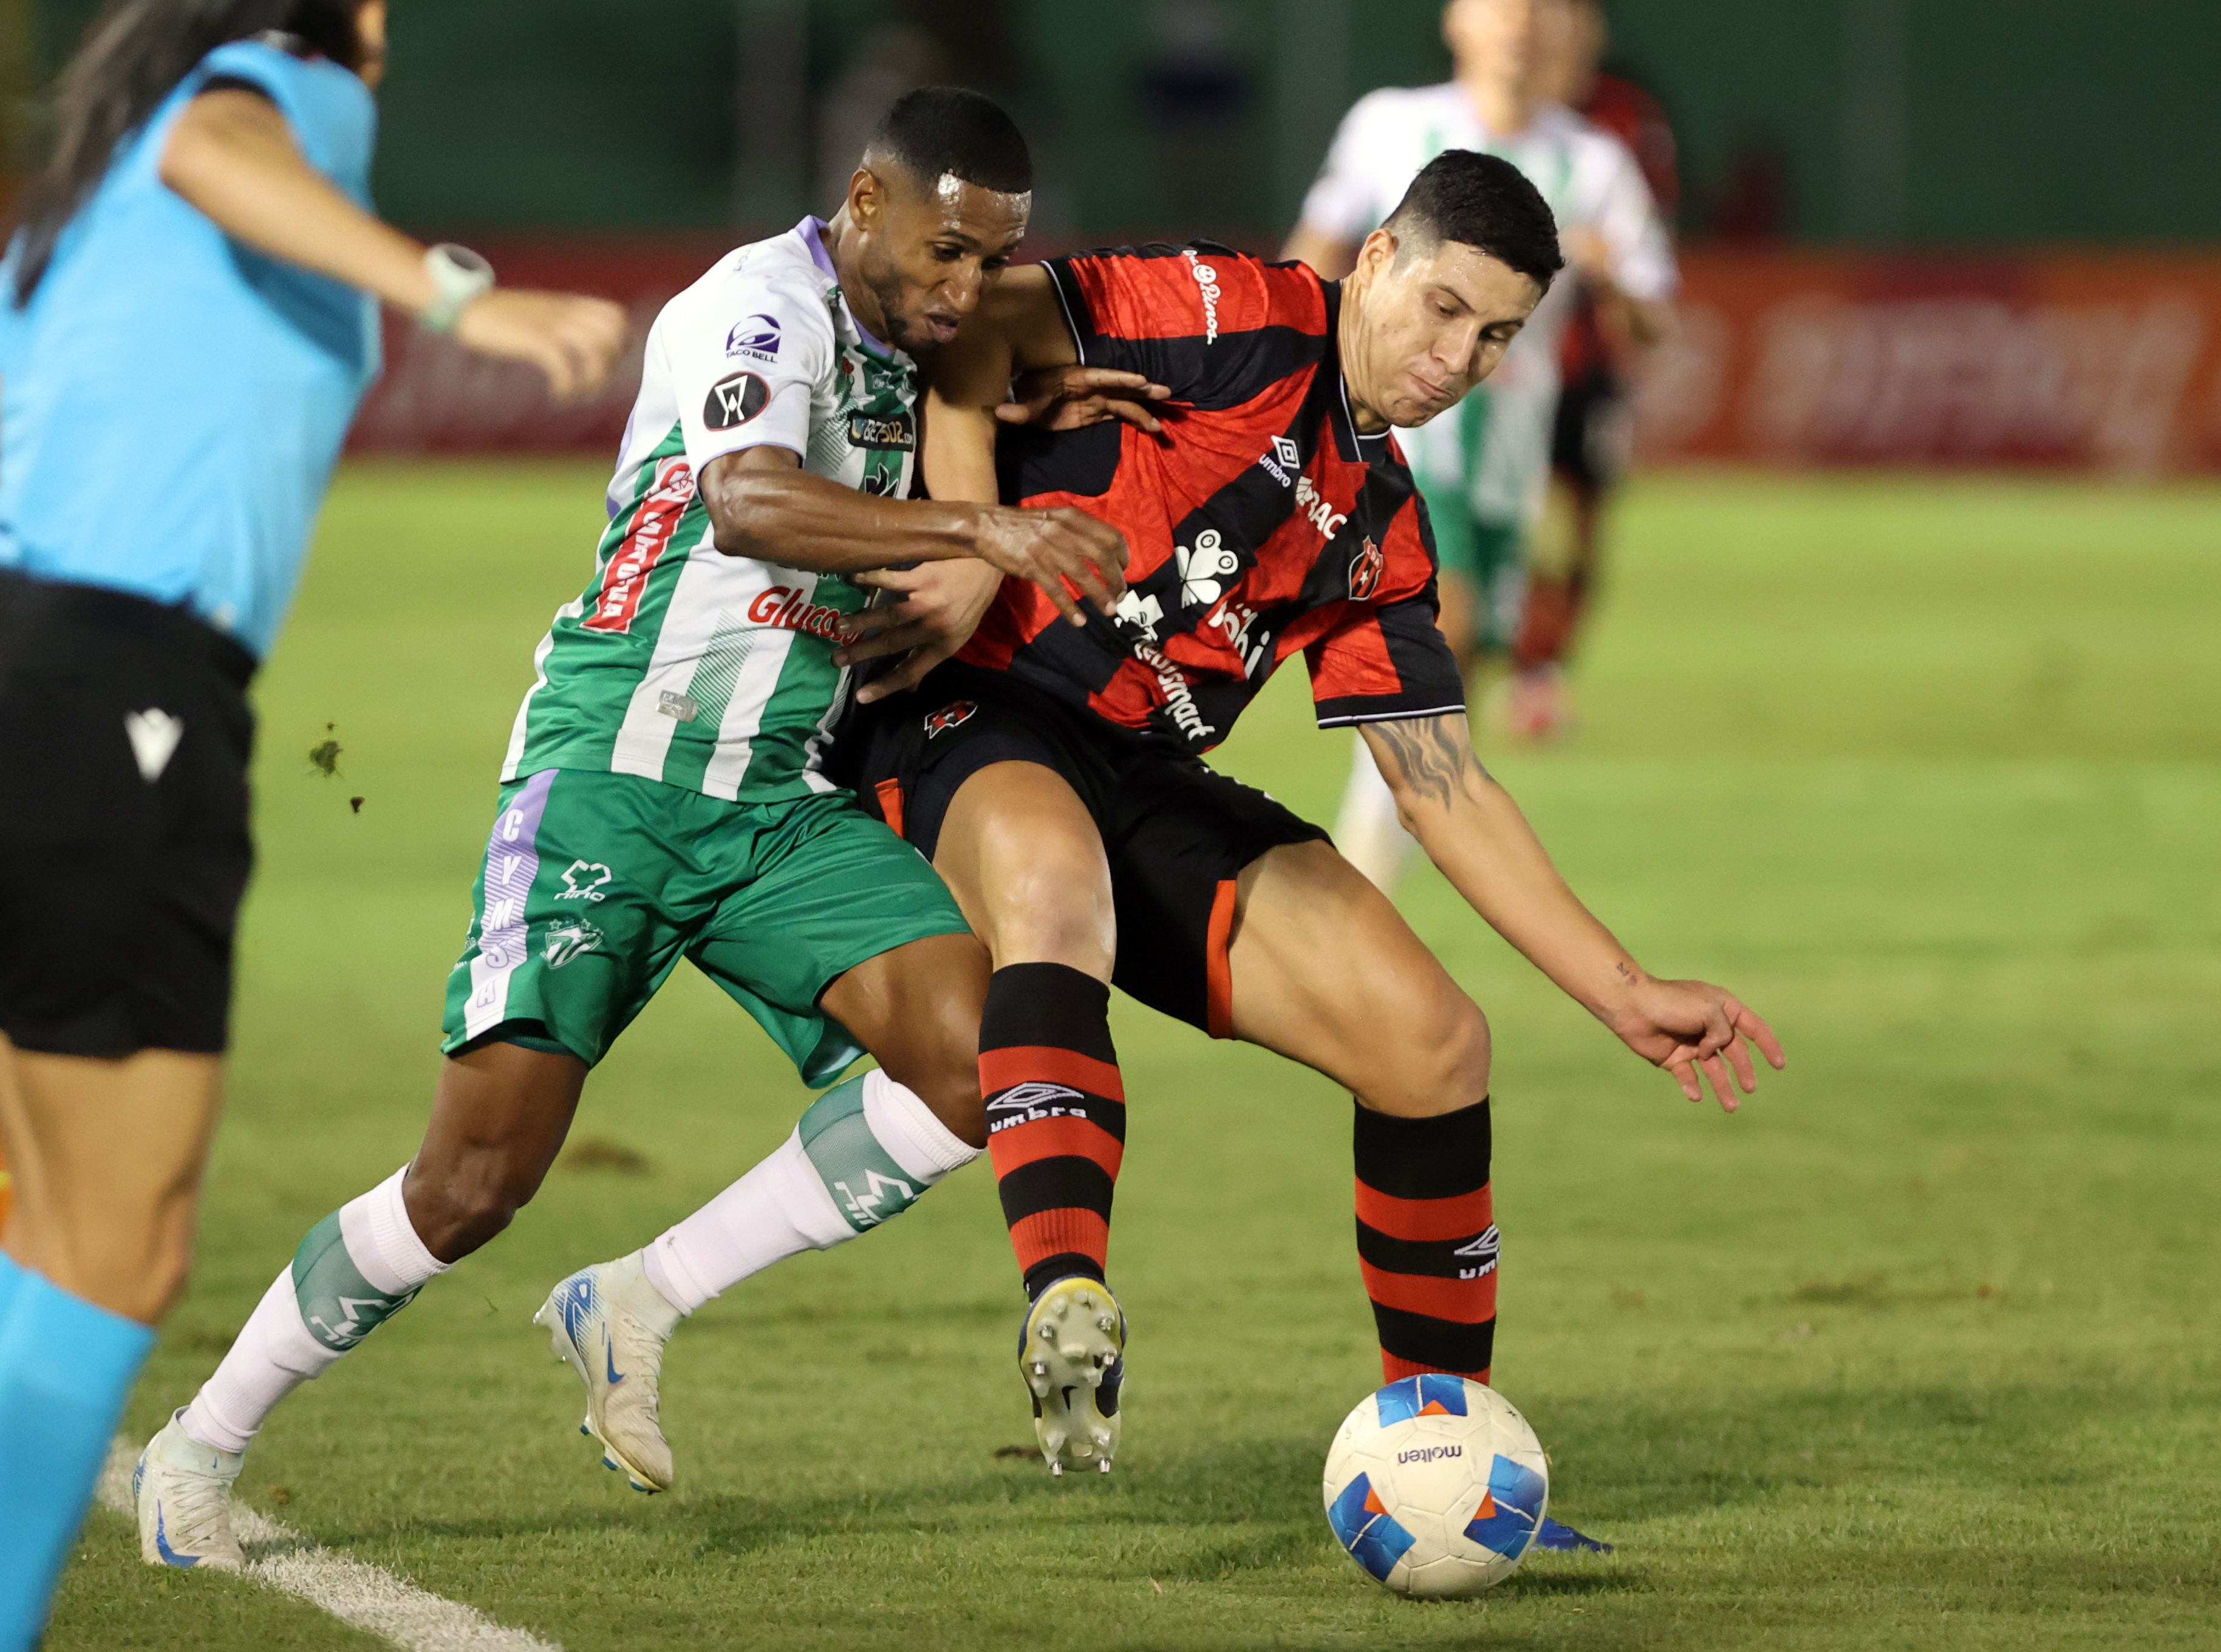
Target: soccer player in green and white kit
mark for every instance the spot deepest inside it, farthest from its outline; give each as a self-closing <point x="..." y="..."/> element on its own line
<point x="663" y="798"/>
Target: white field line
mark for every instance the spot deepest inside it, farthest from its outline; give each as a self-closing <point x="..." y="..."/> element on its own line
<point x="366" y="1597"/>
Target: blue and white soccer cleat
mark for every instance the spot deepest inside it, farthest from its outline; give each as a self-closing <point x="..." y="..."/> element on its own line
<point x="610" y="1324"/>
<point x="1072" y="1353"/>
<point x="182" y="1489"/>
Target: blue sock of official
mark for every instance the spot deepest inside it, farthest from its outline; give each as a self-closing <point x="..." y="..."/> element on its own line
<point x="66" y="1369"/>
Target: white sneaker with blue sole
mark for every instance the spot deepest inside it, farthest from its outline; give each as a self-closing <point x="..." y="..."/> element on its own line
<point x="182" y="1489"/>
<point x="609" y="1323"/>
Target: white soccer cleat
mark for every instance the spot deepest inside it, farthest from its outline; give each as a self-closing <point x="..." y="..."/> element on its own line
<point x="182" y="1489"/>
<point x="1072" y="1353"/>
<point x="610" y="1323"/>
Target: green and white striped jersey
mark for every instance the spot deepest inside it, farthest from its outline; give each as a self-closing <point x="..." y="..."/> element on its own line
<point x="680" y="663"/>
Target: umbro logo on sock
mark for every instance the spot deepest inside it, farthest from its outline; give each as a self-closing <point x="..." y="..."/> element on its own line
<point x="1033" y="1094"/>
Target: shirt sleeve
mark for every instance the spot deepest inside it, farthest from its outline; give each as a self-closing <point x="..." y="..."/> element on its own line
<point x="1642" y="255"/>
<point x="1385" y="659"/>
<point x="743" y="359"/>
<point x="1343" y="200"/>
<point x="1213" y="326"/>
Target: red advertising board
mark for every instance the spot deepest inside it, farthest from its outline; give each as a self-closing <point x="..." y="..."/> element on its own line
<point x="2091" y="361"/>
<point x="2095" y="361"/>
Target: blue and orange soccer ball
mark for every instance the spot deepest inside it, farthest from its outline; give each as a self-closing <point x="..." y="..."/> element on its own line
<point x="1436" y="1487"/>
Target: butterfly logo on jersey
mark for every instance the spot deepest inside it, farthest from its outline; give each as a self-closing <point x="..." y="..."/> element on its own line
<point x="949" y="717"/>
<point x="1364" y="570"/>
<point x="1205" y="569"/>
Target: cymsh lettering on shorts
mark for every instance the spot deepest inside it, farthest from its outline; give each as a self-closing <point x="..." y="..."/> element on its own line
<point x="512" y="863"/>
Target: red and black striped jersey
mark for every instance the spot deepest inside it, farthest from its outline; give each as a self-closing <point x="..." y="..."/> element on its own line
<point x="1263" y="524"/>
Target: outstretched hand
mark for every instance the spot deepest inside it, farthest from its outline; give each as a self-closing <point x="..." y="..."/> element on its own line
<point x="1692" y="1026"/>
<point x="1073" y="397"/>
<point x="1071" y="556"/>
<point x="942" y="605"/>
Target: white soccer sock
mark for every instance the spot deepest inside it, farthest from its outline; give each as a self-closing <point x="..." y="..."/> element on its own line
<point x="820" y="1187"/>
<point x="350" y="1282"/>
<point x="1366" y="831"/>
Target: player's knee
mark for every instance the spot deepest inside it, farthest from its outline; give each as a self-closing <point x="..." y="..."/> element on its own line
<point x="456" y="1209"/>
<point x="1440" y="1063"/>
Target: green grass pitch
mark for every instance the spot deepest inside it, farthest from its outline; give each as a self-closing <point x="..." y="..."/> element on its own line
<point x="1918" y="1351"/>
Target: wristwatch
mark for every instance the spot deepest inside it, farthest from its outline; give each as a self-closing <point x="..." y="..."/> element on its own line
<point x="459" y="275"/>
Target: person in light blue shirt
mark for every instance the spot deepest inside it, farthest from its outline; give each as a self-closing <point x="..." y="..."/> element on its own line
<point x="188" y="315"/>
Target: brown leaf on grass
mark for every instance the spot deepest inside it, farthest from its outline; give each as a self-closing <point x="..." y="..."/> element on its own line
<point x="590" y="1153"/>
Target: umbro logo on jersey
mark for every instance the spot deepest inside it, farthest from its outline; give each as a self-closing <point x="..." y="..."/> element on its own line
<point x="734" y="400"/>
<point x="1284" y="463"/>
<point x="757" y="337"/>
<point x="1364" y="569"/>
<point x="1019" y="1097"/>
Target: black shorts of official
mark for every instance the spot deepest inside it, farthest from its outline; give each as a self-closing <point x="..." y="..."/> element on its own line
<point x="1176" y="832"/>
<point x="124" y="846"/>
<point x="1592" y="437"/>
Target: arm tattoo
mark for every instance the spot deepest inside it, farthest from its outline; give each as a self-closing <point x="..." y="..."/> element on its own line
<point x="1432" y="756"/>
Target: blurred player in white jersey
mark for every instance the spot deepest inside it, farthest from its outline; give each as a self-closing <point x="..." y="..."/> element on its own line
<point x="1484" y="468"/>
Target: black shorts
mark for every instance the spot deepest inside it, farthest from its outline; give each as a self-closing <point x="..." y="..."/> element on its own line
<point x="124" y="850"/>
<point x="1176" y="831"/>
<point x="1592" y="438"/>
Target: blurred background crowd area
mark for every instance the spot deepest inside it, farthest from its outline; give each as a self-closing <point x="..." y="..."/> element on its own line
<point x="1981" y="231"/>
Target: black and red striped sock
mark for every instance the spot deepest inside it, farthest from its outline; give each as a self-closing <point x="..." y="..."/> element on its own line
<point x="1426" y="1239"/>
<point x="1056" y="1115"/>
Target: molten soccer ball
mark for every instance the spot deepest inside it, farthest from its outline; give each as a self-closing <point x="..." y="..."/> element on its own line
<point x="1436" y="1487"/>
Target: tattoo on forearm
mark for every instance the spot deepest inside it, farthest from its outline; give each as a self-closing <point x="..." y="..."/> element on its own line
<point x="1432" y="755"/>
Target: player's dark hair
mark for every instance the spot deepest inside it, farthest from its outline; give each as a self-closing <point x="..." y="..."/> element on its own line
<point x="1481" y="201"/>
<point x="939" y="130"/>
<point x="132" y="56"/>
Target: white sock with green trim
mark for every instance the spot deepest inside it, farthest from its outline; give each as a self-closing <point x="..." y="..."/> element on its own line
<point x="864" y="1152"/>
<point x="358" y="1267"/>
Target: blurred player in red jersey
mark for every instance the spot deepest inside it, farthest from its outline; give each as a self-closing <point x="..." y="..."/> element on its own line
<point x="1054" y="773"/>
<point x="1593" y="432"/>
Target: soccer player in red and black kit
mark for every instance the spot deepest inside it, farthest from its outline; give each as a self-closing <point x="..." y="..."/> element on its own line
<point x="1055" y="774"/>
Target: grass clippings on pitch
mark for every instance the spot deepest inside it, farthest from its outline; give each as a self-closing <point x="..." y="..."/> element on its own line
<point x="1918" y="1351"/>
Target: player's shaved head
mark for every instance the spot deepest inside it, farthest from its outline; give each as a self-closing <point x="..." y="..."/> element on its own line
<point x="934" y="214"/>
<point x="947" y="131"/>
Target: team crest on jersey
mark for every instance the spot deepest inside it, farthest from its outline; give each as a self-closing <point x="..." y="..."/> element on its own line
<point x="757" y="337"/>
<point x="1364" y="569"/>
<point x="949" y="717"/>
<point x="734" y="400"/>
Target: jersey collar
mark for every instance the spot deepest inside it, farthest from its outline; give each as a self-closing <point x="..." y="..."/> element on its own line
<point x="1350" y="445"/>
<point x="812" y="231"/>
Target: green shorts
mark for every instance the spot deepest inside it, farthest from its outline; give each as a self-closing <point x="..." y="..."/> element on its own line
<point x="596" y="884"/>
<point x="1491" y="557"/>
